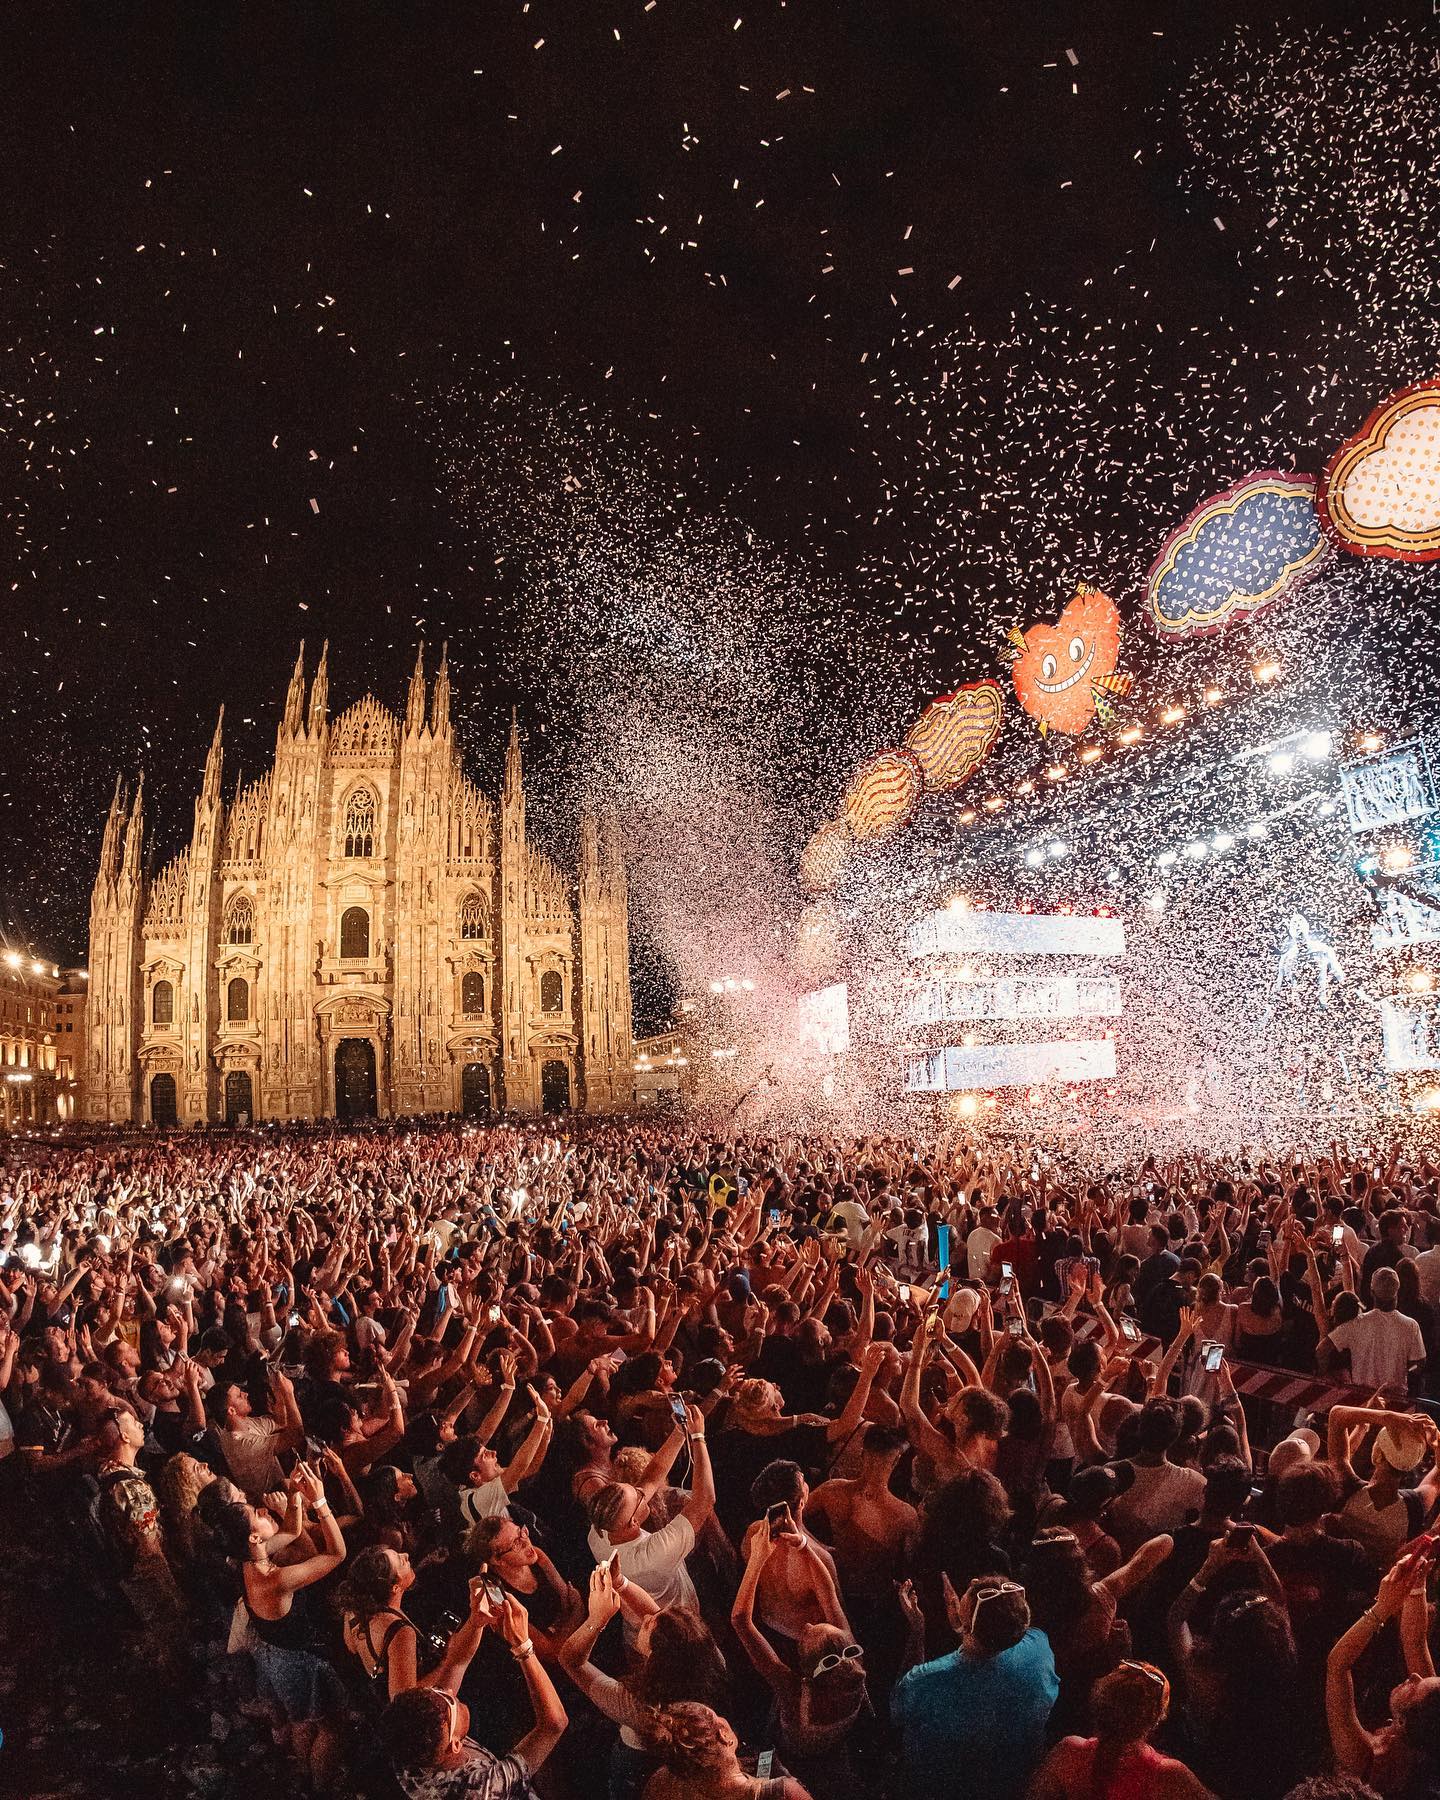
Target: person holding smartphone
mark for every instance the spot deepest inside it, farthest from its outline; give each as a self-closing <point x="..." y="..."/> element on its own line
<point x="821" y="1694"/>
<point x="655" y="1560"/>
<point x="426" y="1731"/>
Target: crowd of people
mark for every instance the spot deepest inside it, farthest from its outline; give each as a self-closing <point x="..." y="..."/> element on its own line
<point x="546" y="1457"/>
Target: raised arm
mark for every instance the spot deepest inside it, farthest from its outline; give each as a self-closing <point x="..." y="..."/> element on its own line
<point x="772" y="1670"/>
<point x="292" y="1576"/>
<point x="1141" y="1566"/>
<point x="839" y="1430"/>
<point x="504" y="1393"/>
<point x="923" y="1435"/>
<point x="701" y="1504"/>
<point x="528" y="1458"/>
<point x="550" y="1715"/>
<point x="610" y="1696"/>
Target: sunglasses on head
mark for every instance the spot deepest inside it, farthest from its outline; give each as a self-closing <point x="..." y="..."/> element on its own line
<point x="1149" y="1671"/>
<point x="833" y="1659"/>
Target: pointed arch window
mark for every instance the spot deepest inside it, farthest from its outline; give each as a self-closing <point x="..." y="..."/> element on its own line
<point x="355" y="933"/>
<point x="240" y="924"/>
<point x="474" y="917"/>
<point x="360" y="823"/>
<point x="472" y="994"/>
<point x="162" y="1003"/>
<point x="237" y="1001"/>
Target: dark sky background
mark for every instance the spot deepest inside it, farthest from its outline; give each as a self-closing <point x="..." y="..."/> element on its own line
<point x="244" y="246"/>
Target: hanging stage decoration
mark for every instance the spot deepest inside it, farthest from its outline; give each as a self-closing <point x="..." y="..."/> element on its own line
<point x="822" y="861"/>
<point x="1237" y="552"/>
<point x="955" y="733"/>
<point x="884" y="795"/>
<point x="1065" y="672"/>
<point x="1381" y="493"/>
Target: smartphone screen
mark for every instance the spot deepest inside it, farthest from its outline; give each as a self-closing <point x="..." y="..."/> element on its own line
<point x="677" y="1409"/>
<point x="904" y="1293"/>
<point x="778" y="1516"/>
<point x="774" y="1215"/>
<point x="1007" y="1270"/>
<point x="493" y="1315"/>
<point x="764" y="1763"/>
<point x="1005" y="1286"/>
<point x="1131" y="1330"/>
<point x="1337" y="1236"/>
<point x="1016" y="1327"/>
<point x="1214" y="1356"/>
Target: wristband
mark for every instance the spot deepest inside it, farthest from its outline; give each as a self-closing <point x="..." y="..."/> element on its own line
<point x="1199" y="1586"/>
<point x="319" y="1506"/>
<point x="521" y="1651"/>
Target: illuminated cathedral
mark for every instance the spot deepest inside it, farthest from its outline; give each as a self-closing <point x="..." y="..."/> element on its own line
<point x="358" y="932"/>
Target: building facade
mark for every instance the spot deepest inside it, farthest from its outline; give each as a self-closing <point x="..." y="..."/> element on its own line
<point x="360" y="931"/>
<point x="30" y="1089"/>
<point x="70" y="1002"/>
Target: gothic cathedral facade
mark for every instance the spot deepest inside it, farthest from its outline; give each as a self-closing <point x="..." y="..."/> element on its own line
<point x="360" y="932"/>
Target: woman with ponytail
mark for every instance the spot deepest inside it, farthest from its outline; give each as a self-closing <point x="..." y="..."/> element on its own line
<point x="1127" y="1707"/>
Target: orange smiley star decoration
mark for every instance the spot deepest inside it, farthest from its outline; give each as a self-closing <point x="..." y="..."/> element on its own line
<point x="1065" y="672"/>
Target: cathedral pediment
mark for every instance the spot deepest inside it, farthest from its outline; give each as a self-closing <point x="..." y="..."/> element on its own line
<point x="365" y="732"/>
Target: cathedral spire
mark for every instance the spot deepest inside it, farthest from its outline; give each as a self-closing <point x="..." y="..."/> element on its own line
<point x="514" y="788"/>
<point x="415" y="707"/>
<point x="210" y="787"/>
<point x="135" y="833"/>
<point x="110" y="843"/>
<point x="295" y="698"/>
<point x="320" y="690"/>
<point x="440" y="710"/>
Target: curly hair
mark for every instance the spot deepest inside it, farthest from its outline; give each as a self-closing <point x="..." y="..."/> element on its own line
<point x="690" y="1739"/>
<point x="178" y="1484"/>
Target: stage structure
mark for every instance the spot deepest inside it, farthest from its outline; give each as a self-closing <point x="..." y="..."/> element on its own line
<point x="1227" y="909"/>
<point x="359" y="931"/>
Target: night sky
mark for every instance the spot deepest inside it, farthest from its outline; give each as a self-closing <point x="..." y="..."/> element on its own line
<point x="250" y="254"/>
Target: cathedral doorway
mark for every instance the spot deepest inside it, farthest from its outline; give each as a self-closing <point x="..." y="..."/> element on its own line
<point x="239" y="1098"/>
<point x="164" y="1101"/>
<point x="355" y="1079"/>
<point x="475" y="1091"/>
<point x="554" y="1087"/>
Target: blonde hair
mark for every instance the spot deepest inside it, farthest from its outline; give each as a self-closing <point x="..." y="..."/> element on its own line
<point x="755" y="1398"/>
<point x="630" y="1463"/>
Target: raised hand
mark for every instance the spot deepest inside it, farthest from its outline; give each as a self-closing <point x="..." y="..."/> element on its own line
<point x="909" y="1601"/>
<point x="604" y="1600"/>
<point x="514" y="1621"/>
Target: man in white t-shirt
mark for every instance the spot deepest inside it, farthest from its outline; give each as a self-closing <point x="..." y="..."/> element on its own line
<point x="655" y="1560"/>
<point x="981" y="1241"/>
<point x="849" y="1216"/>
<point x="1384" y="1345"/>
<point x="1163" y="1495"/>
